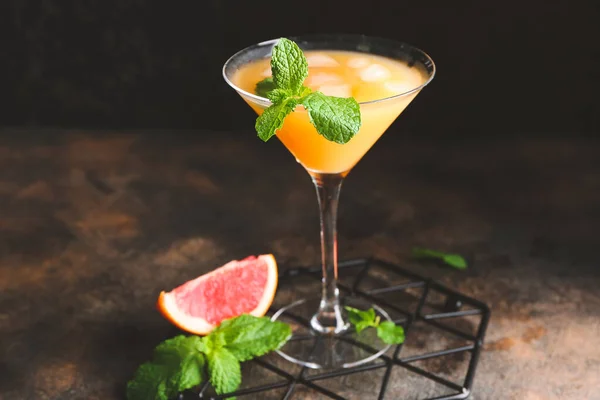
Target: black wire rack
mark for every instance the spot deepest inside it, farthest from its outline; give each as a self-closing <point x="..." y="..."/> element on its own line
<point x="444" y="335"/>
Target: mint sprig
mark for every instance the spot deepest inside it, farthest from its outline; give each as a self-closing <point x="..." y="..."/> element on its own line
<point x="337" y="119"/>
<point x="387" y="331"/>
<point x="180" y="363"/>
<point x="453" y="260"/>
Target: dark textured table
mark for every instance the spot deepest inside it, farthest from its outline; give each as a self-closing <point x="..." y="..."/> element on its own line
<point x="94" y="224"/>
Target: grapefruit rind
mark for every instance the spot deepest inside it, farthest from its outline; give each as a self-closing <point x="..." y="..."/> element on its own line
<point x="199" y="326"/>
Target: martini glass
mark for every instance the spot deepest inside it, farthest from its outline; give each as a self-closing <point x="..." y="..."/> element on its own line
<point x="322" y="335"/>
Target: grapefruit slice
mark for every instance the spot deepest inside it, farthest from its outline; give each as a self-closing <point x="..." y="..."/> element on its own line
<point x="239" y="287"/>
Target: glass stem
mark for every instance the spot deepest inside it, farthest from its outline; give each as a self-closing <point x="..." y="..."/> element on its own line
<point x="329" y="317"/>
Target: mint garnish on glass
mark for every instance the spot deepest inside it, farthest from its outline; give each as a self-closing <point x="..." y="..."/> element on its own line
<point x="184" y="362"/>
<point x="337" y="119"/>
<point x="387" y="331"/>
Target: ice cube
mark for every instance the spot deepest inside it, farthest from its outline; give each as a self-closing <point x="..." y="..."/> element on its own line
<point x="399" y="86"/>
<point x="358" y="62"/>
<point x="374" y="73"/>
<point x="343" y="90"/>
<point x="321" y="60"/>
<point x="321" y="78"/>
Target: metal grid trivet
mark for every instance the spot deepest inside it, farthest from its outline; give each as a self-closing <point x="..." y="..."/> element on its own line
<point x="448" y="305"/>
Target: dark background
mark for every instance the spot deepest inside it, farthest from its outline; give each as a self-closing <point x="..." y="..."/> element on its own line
<point x="504" y="67"/>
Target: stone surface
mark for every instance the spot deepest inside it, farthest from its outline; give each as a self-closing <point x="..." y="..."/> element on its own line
<point x="93" y="226"/>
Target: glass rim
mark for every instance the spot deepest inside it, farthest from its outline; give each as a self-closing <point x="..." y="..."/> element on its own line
<point x="323" y="36"/>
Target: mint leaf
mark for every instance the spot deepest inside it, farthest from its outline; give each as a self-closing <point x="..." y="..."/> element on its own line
<point x="271" y="120"/>
<point x="190" y="374"/>
<point x="288" y="66"/>
<point x="390" y="333"/>
<point x="264" y="87"/>
<point x="177" y="365"/>
<point x="247" y="337"/>
<point x="453" y="260"/>
<point x="456" y="261"/>
<point x="181" y="354"/>
<point x="225" y="371"/>
<point x="335" y="118"/>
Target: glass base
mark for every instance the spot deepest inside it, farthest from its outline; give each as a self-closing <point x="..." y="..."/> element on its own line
<point x="314" y="349"/>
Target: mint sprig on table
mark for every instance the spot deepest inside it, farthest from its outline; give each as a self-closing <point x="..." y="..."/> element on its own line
<point x="184" y="362"/>
<point x="387" y="331"/>
<point x="337" y="119"/>
<point x="453" y="260"/>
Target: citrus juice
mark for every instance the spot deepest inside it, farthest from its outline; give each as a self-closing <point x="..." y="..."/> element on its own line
<point x="372" y="80"/>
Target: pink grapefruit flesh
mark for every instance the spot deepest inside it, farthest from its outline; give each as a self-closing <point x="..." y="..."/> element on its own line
<point x="239" y="287"/>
